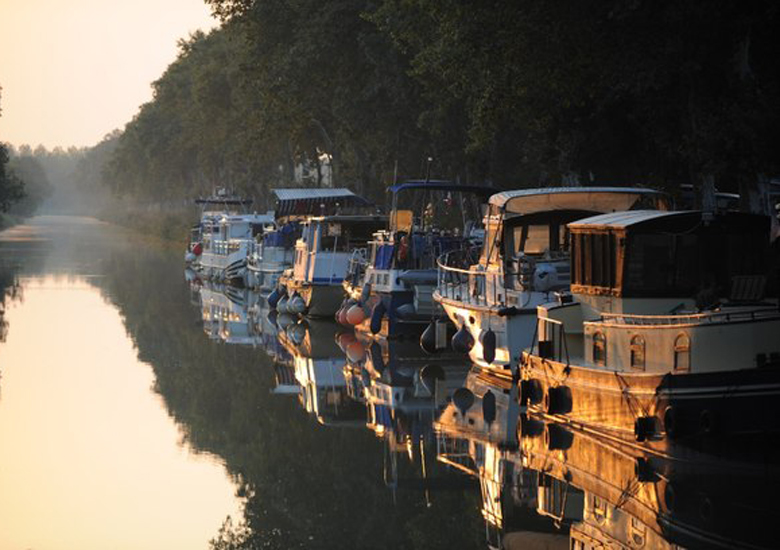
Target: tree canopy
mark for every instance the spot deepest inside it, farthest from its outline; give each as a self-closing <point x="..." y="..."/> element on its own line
<point x="516" y="93"/>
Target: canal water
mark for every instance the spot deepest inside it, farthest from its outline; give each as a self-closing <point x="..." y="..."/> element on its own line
<point x="123" y="425"/>
<point x="144" y="408"/>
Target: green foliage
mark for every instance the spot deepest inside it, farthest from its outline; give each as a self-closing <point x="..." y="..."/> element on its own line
<point x="36" y="185"/>
<point x="11" y="187"/>
<point x="519" y="93"/>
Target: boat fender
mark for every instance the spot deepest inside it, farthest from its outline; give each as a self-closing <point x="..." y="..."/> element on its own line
<point x="645" y="428"/>
<point x="430" y="376"/>
<point x="284" y="320"/>
<point x="281" y="306"/>
<point x="530" y="427"/>
<point x="428" y="339"/>
<point x="508" y="311"/>
<point x="272" y="315"/>
<point x="463" y="399"/>
<point x="489" y="407"/>
<point x="644" y="471"/>
<point x="462" y="341"/>
<point x="558" y="438"/>
<point x="405" y="311"/>
<point x="355" y="315"/>
<point x="296" y="333"/>
<point x="376" y="317"/>
<point x="365" y="293"/>
<point x="274" y="297"/>
<point x="377" y="359"/>
<point x="197" y="249"/>
<point x="296" y="304"/>
<point x="337" y="315"/>
<point x="489" y="346"/>
<point x="558" y="400"/>
<point x="344" y="339"/>
<point x="355" y="352"/>
<point x="530" y="392"/>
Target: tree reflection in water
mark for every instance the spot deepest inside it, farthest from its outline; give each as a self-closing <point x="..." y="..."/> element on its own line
<point x="302" y="485"/>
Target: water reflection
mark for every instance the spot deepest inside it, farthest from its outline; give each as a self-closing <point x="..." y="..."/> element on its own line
<point x="444" y="426"/>
<point x="89" y="457"/>
<point x="330" y="438"/>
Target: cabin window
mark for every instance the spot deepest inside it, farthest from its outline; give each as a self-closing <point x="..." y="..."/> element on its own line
<point x="594" y="259"/>
<point x="532" y="239"/>
<point x="638" y="533"/>
<point x="492" y="245"/>
<point x="599" y="510"/>
<point x="637" y="352"/>
<point x="599" y="349"/>
<point x="682" y="353"/>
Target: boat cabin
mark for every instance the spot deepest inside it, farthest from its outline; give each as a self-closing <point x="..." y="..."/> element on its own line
<point x="527" y="236"/>
<point x="327" y="243"/>
<point x="676" y="255"/>
<point x="672" y="291"/>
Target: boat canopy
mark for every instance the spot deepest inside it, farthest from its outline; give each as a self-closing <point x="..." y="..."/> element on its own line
<point x="315" y="201"/>
<point x="440" y="185"/>
<point x="594" y="199"/>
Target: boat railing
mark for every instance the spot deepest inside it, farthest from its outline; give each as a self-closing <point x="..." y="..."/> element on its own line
<point x="457" y="280"/>
<point x="454" y="452"/>
<point x="356" y="267"/>
<point x="704" y="318"/>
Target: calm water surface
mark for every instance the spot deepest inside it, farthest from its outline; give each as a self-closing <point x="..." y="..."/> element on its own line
<point x="90" y="457"/>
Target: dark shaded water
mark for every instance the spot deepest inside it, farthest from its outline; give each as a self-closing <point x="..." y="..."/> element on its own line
<point x="140" y="410"/>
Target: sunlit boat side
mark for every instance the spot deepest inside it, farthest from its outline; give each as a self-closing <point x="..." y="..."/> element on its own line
<point x="491" y="293"/>
<point x="393" y="283"/>
<point x="649" y="350"/>
<point x="313" y="286"/>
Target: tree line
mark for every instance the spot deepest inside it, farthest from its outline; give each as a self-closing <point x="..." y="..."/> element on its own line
<point x="512" y="94"/>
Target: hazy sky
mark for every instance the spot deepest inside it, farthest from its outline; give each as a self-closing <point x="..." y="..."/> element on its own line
<point x="71" y="71"/>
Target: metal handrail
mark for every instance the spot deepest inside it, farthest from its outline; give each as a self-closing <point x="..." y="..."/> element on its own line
<point x="455" y="282"/>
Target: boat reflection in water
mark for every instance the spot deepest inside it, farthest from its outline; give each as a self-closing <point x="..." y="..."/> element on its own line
<point x="226" y="313"/>
<point x="318" y="364"/>
<point x="554" y="486"/>
<point x="403" y="391"/>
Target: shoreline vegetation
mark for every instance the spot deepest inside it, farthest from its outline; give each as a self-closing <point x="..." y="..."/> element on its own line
<point x="356" y="94"/>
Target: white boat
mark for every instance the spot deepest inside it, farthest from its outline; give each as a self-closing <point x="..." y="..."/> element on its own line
<point x="491" y="293"/>
<point x="274" y="250"/>
<point x="313" y="286"/>
<point x="669" y="334"/>
<point x="393" y="283"/>
<point x="227" y="242"/>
